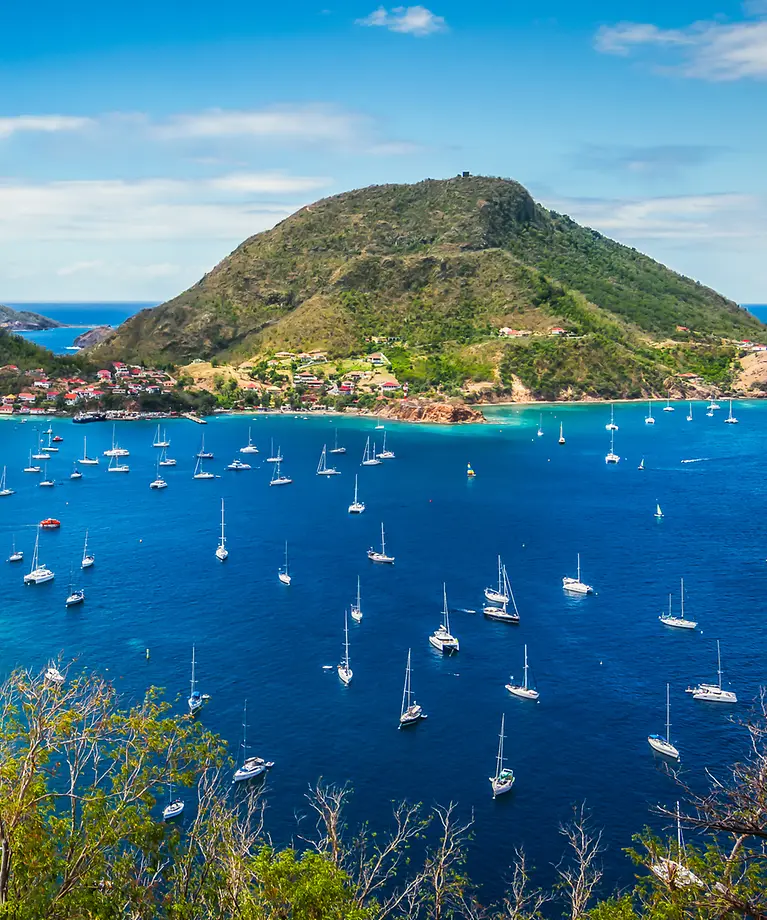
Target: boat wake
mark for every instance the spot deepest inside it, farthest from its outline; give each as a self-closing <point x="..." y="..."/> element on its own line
<point x="697" y="460"/>
<point x="464" y="610"/>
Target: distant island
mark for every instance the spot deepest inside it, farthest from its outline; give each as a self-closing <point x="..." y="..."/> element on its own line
<point x="25" y="321"/>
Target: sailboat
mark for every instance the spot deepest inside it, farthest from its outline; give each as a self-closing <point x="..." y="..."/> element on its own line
<point x="174" y="807"/>
<point x="710" y="412"/>
<point x="713" y="693"/>
<point x="116" y="467"/>
<point x="75" y="474"/>
<point x="713" y="405"/>
<point x="39" y="573"/>
<point x="165" y="460"/>
<point x="575" y="585"/>
<point x="502" y="614"/>
<point x="442" y="639"/>
<point x="498" y="595"/>
<point x="672" y="871"/>
<point x="284" y="574"/>
<point x="612" y="457"/>
<point x="649" y="420"/>
<point x="88" y="558"/>
<point x="250" y="447"/>
<point x="540" y="426"/>
<point x="49" y="483"/>
<point x="17" y="555"/>
<point x="668" y="619"/>
<point x="160" y="440"/>
<point x="158" y="482"/>
<point x="504" y="777"/>
<point x="41" y="454"/>
<point x="658" y="513"/>
<point x="203" y="454"/>
<point x="277" y="478"/>
<point x="611" y="426"/>
<point x="356" y="507"/>
<point x="85" y="460"/>
<point x="410" y="712"/>
<point x="641" y="464"/>
<point x="4" y="490"/>
<point x="524" y="691"/>
<point x="252" y="767"/>
<point x="195" y="697"/>
<point x="31" y="467"/>
<point x="344" y="670"/>
<point x="357" y="607"/>
<point x="199" y="472"/>
<point x="375" y="556"/>
<point x="54" y="676"/>
<point x="369" y="459"/>
<point x="335" y="449"/>
<point x="561" y="434"/>
<point x="668" y="407"/>
<point x="221" y="551"/>
<point x="75" y="596"/>
<point x="274" y="458"/>
<point x="689" y="414"/>
<point x="470" y="474"/>
<point x="660" y="743"/>
<point x="731" y="420"/>
<point x="115" y="450"/>
<point x="322" y="467"/>
<point x="384" y="453"/>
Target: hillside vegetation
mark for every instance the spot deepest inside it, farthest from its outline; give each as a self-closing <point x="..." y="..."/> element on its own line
<point x="442" y="265"/>
<point x="25" y="319"/>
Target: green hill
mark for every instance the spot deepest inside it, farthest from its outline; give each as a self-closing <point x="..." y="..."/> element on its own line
<point x="24" y="319"/>
<point x="442" y="265"/>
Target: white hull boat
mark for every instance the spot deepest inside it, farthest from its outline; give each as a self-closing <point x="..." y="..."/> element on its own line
<point x="680" y="622"/>
<point x="503" y="780"/>
<point x="442" y="639"/>
<point x="375" y="556"/>
<point x="662" y="743"/>
<point x="410" y="712"/>
<point x="524" y="691"/>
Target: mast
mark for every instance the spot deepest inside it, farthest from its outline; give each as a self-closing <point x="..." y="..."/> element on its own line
<point x="406" y="689"/>
<point x="355" y="488"/>
<point x="719" y="663"/>
<point x="193" y="682"/>
<point x="668" y="716"/>
<point x="499" y="758"/>
<point x="525" y="667"/>
<point x="500" y="577"/>
<point x="358" y="597"/>
<point x="286" y="557"/>
<point x="37" y="545"/>
<point x="85" y="546"/>
<point x="682" y="593"/>
<point x="244" y="731"/>
<point x="383" y="543"/>
<point x="579" y="567"/>
<point x="223" y="538"/>
<point x="446" y="613"/>
<point x="346" y="641"/>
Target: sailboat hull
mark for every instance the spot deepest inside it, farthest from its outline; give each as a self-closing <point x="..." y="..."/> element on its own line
<point x="659" y="744"/>
<point x="500" y="615"/>
<point x="524" y="693"/>
<point x="345" y="674"/>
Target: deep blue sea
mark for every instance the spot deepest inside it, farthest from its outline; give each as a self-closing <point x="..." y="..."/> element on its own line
<point x="80" y="317"/>
<point x="600" y="662"/>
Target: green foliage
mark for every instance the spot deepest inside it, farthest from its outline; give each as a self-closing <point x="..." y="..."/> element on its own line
<point x="27" y="356"/>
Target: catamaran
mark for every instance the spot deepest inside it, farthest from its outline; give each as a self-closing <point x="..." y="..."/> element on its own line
<point x="322" y="467"/>
<point x="410" y="712"/>
<point x="442" y="639"/>
<point x="502" y="614"/>
<point x="115" y="450"/>
<point x="158" y="482"/>
<point x="75" y="474"/>
<point x="165" y="460"/>
<point x="668" y="407"/>
<point x="85" y="460"/>
<point x="17" y="555"/>
<point x="524" y="690"/>
<point x="498" y="595"/>
<point x="335" y="449"/>
<point x="39" y="573"/>
<point x="668" y="619"/>
<point x="203" y="454"/>
<point x="160" y="440"/>
<point x="660" y="743"/>
<point x="649" y="420"/>
<point x="561" y="434"/>
<point x="689" y="414"/>
<point x="174" y="807"/>
<point x="369" y="459"/>
<point x="75" y="597"/>
<point x="116" y="467"/>
<point x="344" y="670"/>
<point x="658" y="513"/>
<point x="250" y="447"/>
<point x="375" y="556"/>
<point x="88" y="558"/>
<point x="612" y="457"/>
<point x="611" y="426"/>
<point x="385" y="454"/>
<point x="274" y="458"/>
<point x="356" y="507"/>
<point x="222" y="552"/>
<point x="32" y="467"/>
<point x="714" y="405"/>
<point x="49" y="446"/>
<point x="284" y="574"/>
<point x="504" y="777"/>
<point x="277" y="478"/>
<point x="195" y="700"/>
<point x="731" y="420"/>
<point x="199" y="472"/>
<point x="713" y="693"/>
<point x="357" y="606"/>
<point x="4" y="490"/>
<point x="49" y="483"/>
<point x="672" y="871"/>
<point x="252" y="767"/>
<point x="540" y="426"/>
<point x="575" y="585"/>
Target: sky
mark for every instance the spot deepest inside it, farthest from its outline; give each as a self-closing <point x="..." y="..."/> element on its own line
<point x="139" y="144"/>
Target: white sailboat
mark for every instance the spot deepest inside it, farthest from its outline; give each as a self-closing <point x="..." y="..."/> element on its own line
<point x="410" y="711"/>
<point x="31" y="467"/>
<point x="658" y="512"/>
<point x="368" y="458"/>
<point x="75" y="474"/>
<point x="195" y="697"/>
<point x="274" y="458"/>
<point x="660" y="743"/>
<point x="611" y="426"/>
<point x="356" y="507"/>
<point x="502" y="614"/>
<point x="561" y="434"/>
<point x="713" y="405"/>
<point x="222" y="552"/>
<point x="709" y="412"/>
<point x="641" y="464"/>
<point x="523" y="691"/>
<point x="498" y="595"/>
<point x="540" y="426"/>
<point x="54" y="676"/>
<point x="384" y="453"/>
<point x="442" y="639"/>
<point x="575" y="585"/>
<point x="88" y="559"/>
<point x="160" y="440"/>
<point x="115" y="450"/>
<point x="357" y="606"/>
<point x="250" y="447"/>
<point x="165" y="460"/>
<point x="673" y="871"/>
<point x="344" y="669"/>
<point x="199" y="472"/>
<point x="284" y="574"/>
<point x="203" y="454"/>
<point x="713" y="693"/>
<point x="17" y="555"/>
<point x="689" y="414"/>
<point x="335" y="449"/>
<point x="322" y="467"/>
<point x="504" y="777"/>
<point x="668" y="407"/>
<point x="174" y="807"/>
<point x="39" y="573"/>
<point x="4" y="490"/>
<point x="48" y="483"/>
<point x="375" y="556"/>
<point x="115" y="466"/>
<point x="41" y="454"/>
<point x="277" y="478"/>
<point x="649" y="420"/>
<point x="75" y="596"/>
<point x="85" y="460"/>
<point x="731" y="420"/>
<point x="252" y="767"/>
<point x="612" y="457"/>
<point x="158" y="482"/>
<point x="680" y="622"/>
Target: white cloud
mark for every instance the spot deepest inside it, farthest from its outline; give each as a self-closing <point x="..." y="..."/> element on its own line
<point x="715" y="51"/>
<point x="46" y="124"/>
<point x="124" y="271"/>
<point x="412" y="20"/>
<point x="75" y="268"/>
<point x="267" y="183"/>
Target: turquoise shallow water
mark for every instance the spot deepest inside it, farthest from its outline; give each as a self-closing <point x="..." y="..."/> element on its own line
<point x="600" y="662"/>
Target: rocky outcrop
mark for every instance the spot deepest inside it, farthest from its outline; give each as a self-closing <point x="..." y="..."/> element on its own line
<point x="424" y="410"/>
<point x="93" y="336"/>
<point x="25" y="320"/>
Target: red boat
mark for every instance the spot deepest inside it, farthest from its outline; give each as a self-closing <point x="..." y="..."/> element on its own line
<point x="50" y="524"/>
<point x="57" y="439"/>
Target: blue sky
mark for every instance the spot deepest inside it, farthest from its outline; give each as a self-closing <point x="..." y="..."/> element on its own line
<point x="139" y="144"/>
